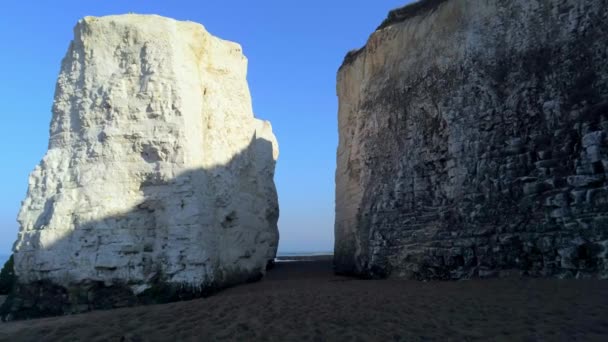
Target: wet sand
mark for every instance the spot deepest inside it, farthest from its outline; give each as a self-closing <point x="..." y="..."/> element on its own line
<point x="304" y="301"/>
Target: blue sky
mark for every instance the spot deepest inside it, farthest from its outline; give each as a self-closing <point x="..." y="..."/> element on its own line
<point x="294" y="50"/>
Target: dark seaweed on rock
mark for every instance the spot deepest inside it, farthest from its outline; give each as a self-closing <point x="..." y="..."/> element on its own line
<point x="7" y="277"/>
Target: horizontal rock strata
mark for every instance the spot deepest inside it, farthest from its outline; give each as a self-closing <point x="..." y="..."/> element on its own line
<point x="473" y="142"/>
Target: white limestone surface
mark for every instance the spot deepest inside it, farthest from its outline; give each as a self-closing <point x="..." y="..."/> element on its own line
<point x="156" y="167"/>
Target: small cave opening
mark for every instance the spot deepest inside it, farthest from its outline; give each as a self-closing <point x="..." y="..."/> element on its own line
<point x="230" y="220"/>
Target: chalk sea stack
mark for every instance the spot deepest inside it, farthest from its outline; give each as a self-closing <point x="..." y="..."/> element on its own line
<point x="473" y="142"/>
<point x="158" y="180"/>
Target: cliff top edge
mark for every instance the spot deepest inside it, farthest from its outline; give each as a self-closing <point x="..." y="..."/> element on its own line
<point x="396" y="16"/>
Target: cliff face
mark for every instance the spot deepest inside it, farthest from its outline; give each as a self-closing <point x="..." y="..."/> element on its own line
<point x="157" y="175"/>
<point x="473" y="142"/>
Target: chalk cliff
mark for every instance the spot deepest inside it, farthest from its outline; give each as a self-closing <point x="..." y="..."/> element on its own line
<point x="473" y="142"/>
<point x="157" y="178"/>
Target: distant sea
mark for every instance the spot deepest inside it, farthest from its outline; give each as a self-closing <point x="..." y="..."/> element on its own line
<point x="300" y="256"/>
<point x="4" y="257"/>
<point x="305" y="253"/>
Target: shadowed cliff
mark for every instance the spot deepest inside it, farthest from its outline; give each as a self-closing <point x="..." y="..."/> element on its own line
<point x="474" y="142"/>
<point x="141" y="248"/>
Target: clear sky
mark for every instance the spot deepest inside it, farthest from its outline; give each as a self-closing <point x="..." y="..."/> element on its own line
<point x="294" y="50"/>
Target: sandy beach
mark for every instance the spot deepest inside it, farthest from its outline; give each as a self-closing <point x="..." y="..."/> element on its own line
<point x="305" y="301"/>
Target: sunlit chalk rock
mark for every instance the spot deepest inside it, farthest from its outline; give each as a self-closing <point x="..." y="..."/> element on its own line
<point x="158" y="178"/>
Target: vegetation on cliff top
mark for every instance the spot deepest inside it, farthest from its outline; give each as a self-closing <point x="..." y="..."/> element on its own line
<point x="409" y="11"/>
<point x="395" y="16"/>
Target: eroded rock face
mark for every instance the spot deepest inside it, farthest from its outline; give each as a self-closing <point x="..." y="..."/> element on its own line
<point x="157" y="173"/>
<point x="473" y="141"/>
